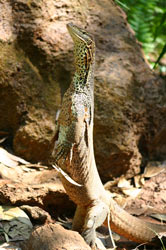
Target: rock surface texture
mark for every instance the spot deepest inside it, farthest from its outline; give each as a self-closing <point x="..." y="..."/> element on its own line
<point x="55" y="237"/>
<point x="38" y="188"/>
<point x="36" y="69"/>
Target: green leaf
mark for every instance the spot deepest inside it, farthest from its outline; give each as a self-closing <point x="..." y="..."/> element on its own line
<point x="148" y="20"/>
<point x="160" y="56"/>
<point x="122" y="4"/>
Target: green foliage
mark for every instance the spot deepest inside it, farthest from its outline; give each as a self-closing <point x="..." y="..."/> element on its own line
<point x="148" y="20"/>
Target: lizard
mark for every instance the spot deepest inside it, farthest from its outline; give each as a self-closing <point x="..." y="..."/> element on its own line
<point x="74" y="154"/>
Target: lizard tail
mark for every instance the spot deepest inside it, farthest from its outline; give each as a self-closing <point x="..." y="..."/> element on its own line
<point x="131" y="227"/>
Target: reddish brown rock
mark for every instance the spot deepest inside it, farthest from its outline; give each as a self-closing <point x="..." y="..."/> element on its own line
<point x="36" y="214"/>
<point x="36" y="68"/>
<point x="55" y="237"/>
<point x="38" y="188"/>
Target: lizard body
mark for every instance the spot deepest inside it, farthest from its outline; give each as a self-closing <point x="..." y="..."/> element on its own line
<point x="74" y="154"/>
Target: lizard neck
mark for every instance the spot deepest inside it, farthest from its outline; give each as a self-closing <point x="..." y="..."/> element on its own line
<point x="84" y="67"/>
<point x="83" y="79"/>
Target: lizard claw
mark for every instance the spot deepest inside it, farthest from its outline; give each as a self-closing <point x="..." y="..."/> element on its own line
<point x="62" y="151"/>
<point x="89" y="236"/>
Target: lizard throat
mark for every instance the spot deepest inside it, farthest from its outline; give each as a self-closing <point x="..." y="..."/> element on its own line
<point x="83" y="79"/>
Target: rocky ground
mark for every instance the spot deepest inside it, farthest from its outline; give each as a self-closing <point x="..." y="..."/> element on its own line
<point x="37" y="190"/>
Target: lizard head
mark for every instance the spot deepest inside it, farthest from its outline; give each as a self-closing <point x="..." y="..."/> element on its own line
<point x="79" y="35"/>
<point x="84" y="46"/>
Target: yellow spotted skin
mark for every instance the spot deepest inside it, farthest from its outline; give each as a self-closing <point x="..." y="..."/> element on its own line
<point x="74" y="153"/>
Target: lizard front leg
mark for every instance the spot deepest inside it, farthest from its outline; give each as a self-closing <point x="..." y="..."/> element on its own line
<point x="63" y="147"/>
<point x="68" y="136"/>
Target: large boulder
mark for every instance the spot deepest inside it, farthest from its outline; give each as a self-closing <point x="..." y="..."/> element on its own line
<point x="36" y="67"/>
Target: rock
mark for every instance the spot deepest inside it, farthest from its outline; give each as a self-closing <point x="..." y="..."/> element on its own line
<point x="47" y="193"/>
<point x="157" y="147"/>
<point x="36" y="214"/>
<point x="55" y="237"/>
<point x="36" y="69"/>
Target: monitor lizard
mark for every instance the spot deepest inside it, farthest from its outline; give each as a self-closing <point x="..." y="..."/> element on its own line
<point x="74" y="154"/>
